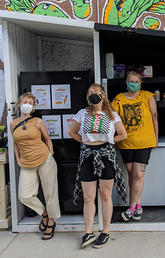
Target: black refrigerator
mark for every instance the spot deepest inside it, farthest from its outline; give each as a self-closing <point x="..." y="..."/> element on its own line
<point x="66" y="151"/>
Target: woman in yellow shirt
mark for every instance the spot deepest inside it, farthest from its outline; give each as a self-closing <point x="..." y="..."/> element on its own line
<point x="137" y="109"/>
<point x="35" y="158"/>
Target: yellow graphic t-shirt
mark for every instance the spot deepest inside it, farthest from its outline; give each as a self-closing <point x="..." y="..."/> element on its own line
<point x="137" y="119"/>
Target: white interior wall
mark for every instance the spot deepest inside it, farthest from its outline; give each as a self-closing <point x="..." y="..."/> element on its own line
<point x="20" y="54"/>
<point x="66" y="55"/>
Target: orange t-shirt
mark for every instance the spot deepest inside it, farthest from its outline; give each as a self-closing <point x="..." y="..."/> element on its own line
<point x="33" y="151"/>
<point x="136" y="116"/>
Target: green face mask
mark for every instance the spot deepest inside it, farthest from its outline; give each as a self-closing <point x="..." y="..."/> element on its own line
<point x="133" y="86"/>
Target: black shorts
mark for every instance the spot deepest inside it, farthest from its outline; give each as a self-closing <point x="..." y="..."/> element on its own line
<point x="136" y="155"/>
<point x="87" y="169"/>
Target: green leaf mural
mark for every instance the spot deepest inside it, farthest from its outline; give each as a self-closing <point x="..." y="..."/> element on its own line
<point x="124" y="13"/>
<point x="151" y="23"/>
<point x="158" y="8"/>
<point x="29" y="6"/>
<point x="50" y="10"/>
<point x="111" y="13"/>
<point x="81" y="8"/>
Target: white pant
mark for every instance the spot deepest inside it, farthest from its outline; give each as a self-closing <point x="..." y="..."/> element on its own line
<point x="29" y="183"/>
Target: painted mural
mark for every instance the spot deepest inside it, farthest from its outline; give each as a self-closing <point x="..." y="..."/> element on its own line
<point x="148" y="14"/>
<point x="76" y="9"/>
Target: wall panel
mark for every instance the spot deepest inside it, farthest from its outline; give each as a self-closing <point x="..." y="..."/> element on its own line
<point x="20" y="54"/>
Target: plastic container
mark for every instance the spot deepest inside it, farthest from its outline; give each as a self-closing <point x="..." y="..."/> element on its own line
<point x="157" y="95"/>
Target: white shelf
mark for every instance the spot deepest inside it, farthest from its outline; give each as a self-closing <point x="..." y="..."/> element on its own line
<point x="161" y="141"/>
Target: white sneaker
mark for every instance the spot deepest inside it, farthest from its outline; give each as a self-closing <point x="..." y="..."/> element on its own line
<point x="137" y="214"/>
<point x="127" y="215"/>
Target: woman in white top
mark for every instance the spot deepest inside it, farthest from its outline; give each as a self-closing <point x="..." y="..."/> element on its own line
<point x="100" y="128"/>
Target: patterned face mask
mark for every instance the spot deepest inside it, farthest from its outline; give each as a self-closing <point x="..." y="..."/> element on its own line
<point x="133" y="86"/>
<point x="94" y="99"/>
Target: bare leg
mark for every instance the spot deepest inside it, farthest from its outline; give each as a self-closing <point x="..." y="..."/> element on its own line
<point x="89" y="194"/>
<point x="137" y="183"/>
<point x="129" y="170"/>
<point x="107" y="206"/>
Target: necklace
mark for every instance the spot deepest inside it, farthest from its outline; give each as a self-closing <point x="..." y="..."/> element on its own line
<point x="131" y="97"/>
<point x="24" y="121"/>
<point x="23" y="126"/>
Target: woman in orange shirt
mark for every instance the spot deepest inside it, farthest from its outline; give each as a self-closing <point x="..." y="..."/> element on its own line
<point x="137" y="109"/>
<point x="35" y="158"/>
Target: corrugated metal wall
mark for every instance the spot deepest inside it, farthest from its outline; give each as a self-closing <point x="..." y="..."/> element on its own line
<point x="2" y="81"/>
<point x="20" y="54"/>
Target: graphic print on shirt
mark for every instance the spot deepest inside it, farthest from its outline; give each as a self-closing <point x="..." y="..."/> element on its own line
<point x="133" y="116"/>
<point x="98" y="123"/>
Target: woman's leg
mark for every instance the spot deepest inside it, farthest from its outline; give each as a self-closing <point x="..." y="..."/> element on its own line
<point x="105" y="187"/>
<point x="48" y="175"/>
<point x="129" y="170"/>
<point x="89" y="194"/>
<point x="137" y="183"/>
<point x="28" y="189"/>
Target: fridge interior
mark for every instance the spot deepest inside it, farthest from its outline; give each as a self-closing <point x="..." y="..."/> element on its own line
<point x="138" y="48"/>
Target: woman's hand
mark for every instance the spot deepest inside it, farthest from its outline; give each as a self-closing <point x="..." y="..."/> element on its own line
<point x="18" y="162"/>
<point x="45" y="135"/>
<point x="121" y="132"/>
<point x="73" y="132"/>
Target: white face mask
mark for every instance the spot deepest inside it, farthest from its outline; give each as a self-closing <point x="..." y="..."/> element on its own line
<point x="26" y="108"/>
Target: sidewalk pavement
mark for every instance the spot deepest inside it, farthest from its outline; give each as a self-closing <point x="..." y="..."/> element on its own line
<point x="67" y="245"/>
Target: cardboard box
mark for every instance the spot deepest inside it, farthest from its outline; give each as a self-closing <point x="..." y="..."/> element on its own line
<point x="5" y="209"/>
<point x="2" y="176"/>
<point x="4" y="156"/>
<point x="5" y="223"/>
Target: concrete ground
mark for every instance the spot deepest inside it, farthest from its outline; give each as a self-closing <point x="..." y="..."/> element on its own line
<point x="67" y="245"/>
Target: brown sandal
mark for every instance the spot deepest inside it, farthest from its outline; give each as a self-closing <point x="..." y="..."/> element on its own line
<point x="43" y="224"/>
<point x="51" y="234"/>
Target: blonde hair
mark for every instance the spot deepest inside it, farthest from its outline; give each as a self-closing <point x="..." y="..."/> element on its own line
<point x="107" y="107"/>
<point x="24" y="95"/>
<point x="135" y="74"/>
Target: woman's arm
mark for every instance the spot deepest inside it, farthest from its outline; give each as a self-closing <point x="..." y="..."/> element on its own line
<point x="121" y="132"/>
<point x="73" y="132"/>
<point x="45" y="135"/>
<point x="16" y="149"/>
<point x="153" y="109"/>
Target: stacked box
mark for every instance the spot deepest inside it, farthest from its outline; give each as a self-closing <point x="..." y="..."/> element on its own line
<point x="5" y="208"/>
<point x="4" y="156"/>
